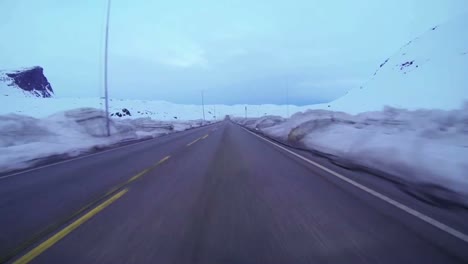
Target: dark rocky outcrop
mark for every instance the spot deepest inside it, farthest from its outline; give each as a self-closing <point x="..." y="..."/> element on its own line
<point x="124" y="112"/>
<point x="31" y="80"/>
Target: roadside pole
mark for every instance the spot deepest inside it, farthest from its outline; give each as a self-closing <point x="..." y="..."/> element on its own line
<point x="106" y="94"/>
<point x="203" y="104"/>
<point x="287" y="101"/>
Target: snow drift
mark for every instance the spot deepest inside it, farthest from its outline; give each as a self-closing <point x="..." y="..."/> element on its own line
<point x="24" y="140"/>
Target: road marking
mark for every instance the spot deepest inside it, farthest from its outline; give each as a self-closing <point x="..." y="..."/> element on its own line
<point x="196" y="140"/>
<point x="163" y="160"/>
<point x="385" y="198"/>
<point x="67" y="230"/>
<point x="193" y="142"/>
<point x="138" y="175"/>
<point x="93" y="154"/>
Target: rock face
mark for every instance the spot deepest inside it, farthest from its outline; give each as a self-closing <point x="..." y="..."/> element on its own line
<point x="30" y="80"/>
<point x="124" y="112"/>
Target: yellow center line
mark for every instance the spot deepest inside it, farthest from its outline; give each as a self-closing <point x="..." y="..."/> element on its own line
<point x="205" y="136"/>
<point x="193" y="142"/>
<point x="138" y="175"/>
<point x="116" y="188"/>
<point x="132" y="179"/>
<point x="163" y="160"/>
<point x="67" y="230"/>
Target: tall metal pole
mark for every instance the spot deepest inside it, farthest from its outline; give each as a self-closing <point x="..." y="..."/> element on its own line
<point x="203" y="104"/>
<point x="287" y="101"/>
<point x="106" y="94"/>
<point x="246" y="112"/>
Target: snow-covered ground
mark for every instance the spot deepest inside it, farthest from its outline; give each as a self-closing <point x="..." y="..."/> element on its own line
<point x="24" y="140"/>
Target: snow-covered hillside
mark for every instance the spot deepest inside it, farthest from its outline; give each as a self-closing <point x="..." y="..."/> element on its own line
<point x="430" y="71"/>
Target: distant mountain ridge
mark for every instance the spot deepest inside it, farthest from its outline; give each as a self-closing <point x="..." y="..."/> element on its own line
<point x="25" y="82"/>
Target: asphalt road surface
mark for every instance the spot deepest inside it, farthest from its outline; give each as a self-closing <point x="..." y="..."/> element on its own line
<point x="218" y="194"/>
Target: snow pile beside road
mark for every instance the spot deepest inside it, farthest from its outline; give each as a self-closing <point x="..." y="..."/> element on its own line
<point x="25" y="140"/>
<point x="262" y="122"/>
<point x="426" y="147"/>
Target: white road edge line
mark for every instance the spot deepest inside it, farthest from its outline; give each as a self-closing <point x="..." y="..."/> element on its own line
<point x="81" y="157"/>
<point x="403" y="207"/>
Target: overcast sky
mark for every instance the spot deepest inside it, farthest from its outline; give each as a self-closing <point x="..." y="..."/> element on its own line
<point x="237" y="51"/>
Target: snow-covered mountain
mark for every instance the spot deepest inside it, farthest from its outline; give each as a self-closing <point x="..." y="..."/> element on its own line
<point x="26" y="82"/>
<point x="430" y="71"/>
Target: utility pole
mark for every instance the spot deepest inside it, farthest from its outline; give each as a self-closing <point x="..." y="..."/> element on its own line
<point x="287" y="101"/>
<point x="214" y="110"/>
<point x="245" y="112"/>
<point x="106" y="94"/>
<point x="203" y="104"/>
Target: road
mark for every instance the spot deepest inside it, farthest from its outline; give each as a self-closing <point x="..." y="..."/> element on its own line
<point x="218" y="194"/>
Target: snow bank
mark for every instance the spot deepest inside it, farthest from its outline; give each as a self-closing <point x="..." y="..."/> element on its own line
<point x="262" y="122"/>
<point x="24" y="140"/>
<point x="423" y="147"/>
